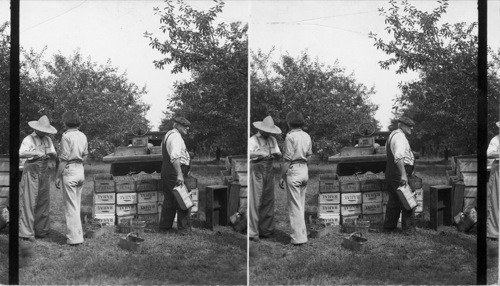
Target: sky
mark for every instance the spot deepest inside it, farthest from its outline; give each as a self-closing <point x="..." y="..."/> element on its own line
<point x="329" y="30"/>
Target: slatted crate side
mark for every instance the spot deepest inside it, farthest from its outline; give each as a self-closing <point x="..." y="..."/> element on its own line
<point x="351" y="210"/>
<point x="372" y="208"/>
<point x="372" y="197"/>
<point x="126" y="198"/>
<point x="122" y="210"/>
<point x="104" y="198"/>
<point x="124" y="184"/>
<point x="349" y="187"/>
<point x="329" y="185"/>
<point x="351" y="198"/>
<point x="329" y="218"/>
<point x="147" y="208"/>
<point x="108" y="219"/>
<point x="328" y="209"/>
<point x="104" y="183"/>
<point x="146" y="185"/>
<point x="107" y="209"/>
<point x="329" y="198"/>
<point x="144" y="197"/>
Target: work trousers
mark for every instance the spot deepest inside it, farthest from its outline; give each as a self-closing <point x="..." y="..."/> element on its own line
<point x="72" y="184"/>
<point x="170" y="207"/>
<point x="296" y="185"/>
<point x="261" y="204"/>
<point x="34" y="200"/>
<point x="493" y="202"/>
<point x="395" y="208"/>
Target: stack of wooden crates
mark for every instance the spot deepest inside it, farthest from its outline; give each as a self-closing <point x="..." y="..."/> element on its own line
<point x="346" y="199"/>
<point x="463" y="179"/>
<point x="119" y="199"/>
<point x="235" y="177"/>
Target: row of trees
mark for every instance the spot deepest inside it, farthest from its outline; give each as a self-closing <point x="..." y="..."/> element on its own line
<point x="107" y="101"/>
<point x="333" y="102"/>
<point x="443" y="100"/>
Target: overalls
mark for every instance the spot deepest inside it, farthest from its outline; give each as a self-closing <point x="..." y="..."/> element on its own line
<point x="34" y="199"/>
<point x="394" y="205"/>
<point x="170" y="205"/>
<point x="261" y="205"/>
<point x="493" y="202"/>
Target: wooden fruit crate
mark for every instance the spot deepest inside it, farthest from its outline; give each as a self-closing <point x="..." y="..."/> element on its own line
<point x="104" y="183"/>
<point x="351" y="198"/>
<point x="146" y="197"/>
<point x="372" y="197"/>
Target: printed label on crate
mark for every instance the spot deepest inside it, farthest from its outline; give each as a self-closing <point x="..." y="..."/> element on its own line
<point x="145" y="197"/>
<point x="125" y="187"/>
<point x="328" y="208"/>
<point x="194" y="194"/>
<point x="385" y="196"/>
<point x="470" y="192"/>
<point x="349" y="187"/>
<point x="104" y="209"/>
<point x="329" y="219"/>
<point x="329" y="198"/>
<point x="126" y="198"/>
<point x="419" y="194"/>
<point x="122" y="210"/>
<point x="149" y="218"/>
<point x="104" y="186"/>
<point x="105" y="219"/>
<point x="374" y="218"/>
<point x="329" y="186"/>
<point x="348" y="210"/>
<point x="145" y="186"/>
<point x="124" y="219"/>
<point x="369" y="185"/>
<point x="147" y="208"/>
<point x="372" y="197"/>
<point x="372" y="208"/>
<point x="349" y="219"/>
<point x="420" y="207"/>
<point x="351" y="199"/>
<point x="104" y="198"/>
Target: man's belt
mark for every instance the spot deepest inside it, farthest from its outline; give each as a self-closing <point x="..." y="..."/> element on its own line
<point x="75" y="161"/>
<point x="298" y="161"/>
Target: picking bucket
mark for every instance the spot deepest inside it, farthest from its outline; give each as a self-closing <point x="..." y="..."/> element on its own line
<point x="182" y="196"/>
<point x="407" y="197"/>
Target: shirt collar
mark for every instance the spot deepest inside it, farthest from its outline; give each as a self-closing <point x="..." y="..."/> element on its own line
<point x="295" y="130"/>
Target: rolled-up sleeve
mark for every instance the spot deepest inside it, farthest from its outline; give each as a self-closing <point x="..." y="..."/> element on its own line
<point x="288" y="150"/>
<point x="64" y="149"/>
<point x="398" y="147"/>
<point x="174" y="146"/>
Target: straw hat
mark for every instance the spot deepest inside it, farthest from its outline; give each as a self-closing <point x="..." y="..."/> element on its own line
<point x="267" y="125"/>
<point x="43" y="125"/>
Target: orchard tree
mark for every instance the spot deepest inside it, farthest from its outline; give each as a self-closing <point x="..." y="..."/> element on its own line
<point x="4" y="87"/>
<point x="333" y="103"/>
<point x="443" y="100"/>
<point x="107" y="102"/>
<point x="216" y="55"/>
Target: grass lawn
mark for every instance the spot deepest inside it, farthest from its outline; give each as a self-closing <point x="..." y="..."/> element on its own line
<point x="203" y="257"/>
<point x="427" y="257"/>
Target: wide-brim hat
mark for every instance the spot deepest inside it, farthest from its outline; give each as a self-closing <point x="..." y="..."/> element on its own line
<point x="181" y="120"/>
<point x="43" y="125"/>
<point x="407" y="121"/>
<point x="267" y="125"/>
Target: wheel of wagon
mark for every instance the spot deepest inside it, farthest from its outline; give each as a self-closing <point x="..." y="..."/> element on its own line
<point x="139" y="129"/>
<point x="366" y="129"/>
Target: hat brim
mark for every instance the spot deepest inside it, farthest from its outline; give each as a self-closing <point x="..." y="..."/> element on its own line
<point x="36" y="126"/>
<point x="259" y="125"/>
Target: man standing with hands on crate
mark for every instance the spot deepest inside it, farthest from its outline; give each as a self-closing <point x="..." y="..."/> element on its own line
<point x="263" y="148"/>
<point x="399" y="167"/>
<point x="174" y="168"/>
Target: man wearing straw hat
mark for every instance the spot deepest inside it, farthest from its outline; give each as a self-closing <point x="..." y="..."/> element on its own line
<point x="399" y="167"/>
<point x="34" y="197"/>
<point x="263" y="148"/>
<point x="493" y="187"/>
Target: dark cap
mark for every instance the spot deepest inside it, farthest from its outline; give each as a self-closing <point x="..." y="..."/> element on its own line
<point x="181" y="120"/>
<point x="407" y="121"/>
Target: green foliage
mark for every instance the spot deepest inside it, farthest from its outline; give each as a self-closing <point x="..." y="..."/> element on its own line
<point x="107" y="102"/>
<point x="333" y="103"/>
<point x="216" y="54"/>
<point x="4" y="87"/>
<point x="443" y="100"/>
